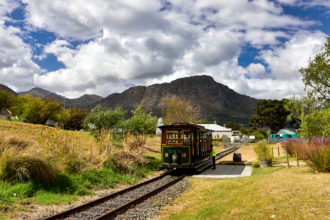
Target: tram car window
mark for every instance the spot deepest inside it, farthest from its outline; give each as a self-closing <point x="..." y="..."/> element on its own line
<point x="184" y="145"/>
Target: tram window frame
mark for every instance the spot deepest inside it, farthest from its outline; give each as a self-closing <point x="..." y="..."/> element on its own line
<point x="177" y="141"/>
<point x="187" y="141"/>
<point x="164" y="136"/>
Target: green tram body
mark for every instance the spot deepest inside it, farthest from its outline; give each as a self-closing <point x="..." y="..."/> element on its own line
<point x="185" y="145"/>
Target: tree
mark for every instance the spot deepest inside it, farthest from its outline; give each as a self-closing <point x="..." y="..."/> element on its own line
<point x="301" y="106"/>
<point x="100" y="118"/>
<point x="37" y="110"/>
<point x="232" y="125"/>
<point x="179" y="110"/>
<point x="73" y="118"/>
<point x="7" y="99"/>
<point x="317" y="75"/>
<point x="316" y="124"/>
<point x="270" y="113"/>
<point x="140" y="124"/>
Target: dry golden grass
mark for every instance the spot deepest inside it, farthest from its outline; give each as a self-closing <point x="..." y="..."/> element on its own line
<point x="273" y="193"/>
<point x="62" y="149"/>
<point x="247" y="154"/>
<point x="66" y="150"/>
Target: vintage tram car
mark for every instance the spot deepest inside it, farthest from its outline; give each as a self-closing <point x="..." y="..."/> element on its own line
<point x="185" y="145"/>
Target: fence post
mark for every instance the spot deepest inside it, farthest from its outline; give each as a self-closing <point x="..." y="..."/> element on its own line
<point x="272" y="152"/>
<point x="287" y="158"/>
<point x="278" y="151"/>
<point x="297" y="159"/>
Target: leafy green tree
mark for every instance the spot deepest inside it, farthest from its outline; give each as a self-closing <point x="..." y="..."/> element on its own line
<point x="7" y="99"/>
<point x="317" y="75"/>
<point x="259" y="134"/>
<point x="73" y="118"/>
<point x="38" y="111"/>
<point x="51" y="109"/>
<point x="301" y="106"/>
<point x="139" y="125"/>
<point x="232" y="125"/>
<point x="100" y="118"/>
<point x="315" y="124"/>
<point x="179" y="110"/>
<point x="270" y="113"/>
<point x="18" y="106"/>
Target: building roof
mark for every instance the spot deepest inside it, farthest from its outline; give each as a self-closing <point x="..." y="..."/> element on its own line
<point x="215" y="127"/>
<point x="286" y="131"/>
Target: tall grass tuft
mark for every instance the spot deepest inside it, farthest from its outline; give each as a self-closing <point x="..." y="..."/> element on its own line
<point x="24" y="168"/>
<point x="125" y="161"/>
<point x="60" y="150"/>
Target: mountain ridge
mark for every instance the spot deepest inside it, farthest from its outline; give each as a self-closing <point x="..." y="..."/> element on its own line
<point x="213" y="99"/>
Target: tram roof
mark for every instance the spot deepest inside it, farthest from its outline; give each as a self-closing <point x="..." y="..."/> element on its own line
<point x="185" y="125"/>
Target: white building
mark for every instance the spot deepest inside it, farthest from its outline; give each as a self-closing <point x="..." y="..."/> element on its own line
<point x="159" y="123"/>
<point x="218" y="131"/>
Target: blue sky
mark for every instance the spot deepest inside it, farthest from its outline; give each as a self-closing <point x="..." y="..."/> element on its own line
<point x="101" y="47"/>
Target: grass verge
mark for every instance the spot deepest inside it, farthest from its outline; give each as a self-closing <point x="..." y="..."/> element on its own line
<point x="271" y="193"/>
<point x="67" y="187"/>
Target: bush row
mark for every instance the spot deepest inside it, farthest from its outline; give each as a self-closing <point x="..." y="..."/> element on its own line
<point x="316" y="152"/>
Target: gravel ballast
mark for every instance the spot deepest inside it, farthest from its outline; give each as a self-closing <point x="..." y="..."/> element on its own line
<point x="150" y="207"/>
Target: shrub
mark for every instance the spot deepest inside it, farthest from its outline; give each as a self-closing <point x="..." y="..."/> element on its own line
<point x="24" y="168"/>
<point x="294" y="147"/>
<point x="125" y="162"/>
<point x="263" y="151"/>
<point x="255" y="164"/>
<point x="317" y="154"/>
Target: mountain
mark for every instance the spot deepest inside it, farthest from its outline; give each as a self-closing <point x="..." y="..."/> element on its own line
<point x="214" y="99"/>
<point x="85" y="101"/>
<point x="6" y="88"/>
<point x="39" y="92"/>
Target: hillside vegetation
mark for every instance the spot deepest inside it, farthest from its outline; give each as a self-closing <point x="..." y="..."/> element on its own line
<point x="50" y="166"/>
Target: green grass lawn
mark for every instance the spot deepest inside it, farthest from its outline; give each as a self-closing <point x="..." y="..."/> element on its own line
<point x="270" y="193"/>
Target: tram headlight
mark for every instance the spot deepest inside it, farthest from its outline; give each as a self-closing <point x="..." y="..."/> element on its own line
<point x="174" y="157"/>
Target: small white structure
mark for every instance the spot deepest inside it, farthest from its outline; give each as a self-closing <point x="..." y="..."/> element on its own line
<point x="218" y="131"/>
<point x="159" y="123"/>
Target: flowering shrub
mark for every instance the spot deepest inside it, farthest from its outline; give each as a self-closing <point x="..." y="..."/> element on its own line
<point x="316" y="152"/>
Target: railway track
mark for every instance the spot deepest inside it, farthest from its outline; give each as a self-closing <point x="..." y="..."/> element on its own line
<point x="108" y="207"/>
<point x="208" y="164"/>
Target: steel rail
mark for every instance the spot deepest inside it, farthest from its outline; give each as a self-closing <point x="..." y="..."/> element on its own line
<point x="113" y="213"/>
<point x="124" y="207"/>
<point x="68" y="212"/>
